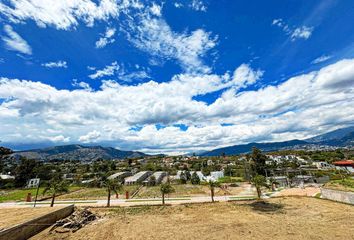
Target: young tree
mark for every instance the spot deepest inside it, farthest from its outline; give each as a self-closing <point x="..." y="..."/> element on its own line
<point x="258" y="182"/>
<point x="55" y="186"/>
<point x="258" y="162"/>
<point x="183" y="178"/>
<point x="212" y="186"/>
<point x="152" y="181"/>
<point x="111" y="185"/>
<point x="195" y="179"/>
<point x="166" y="188"/>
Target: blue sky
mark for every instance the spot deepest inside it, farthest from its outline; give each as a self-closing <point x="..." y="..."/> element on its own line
<point x="173" y="76"/>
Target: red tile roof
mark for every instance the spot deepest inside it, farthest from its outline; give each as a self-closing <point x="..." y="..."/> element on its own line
<point x="344" y="163"/>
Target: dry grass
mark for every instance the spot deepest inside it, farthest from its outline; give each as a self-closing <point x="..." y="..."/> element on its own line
<point x="13" y="216"/>
<point x="280" y="218"/>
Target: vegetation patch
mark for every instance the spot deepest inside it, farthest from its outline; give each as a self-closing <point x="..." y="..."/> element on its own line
<point x="266" y="207"/>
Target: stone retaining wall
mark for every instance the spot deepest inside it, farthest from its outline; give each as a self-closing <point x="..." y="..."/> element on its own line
<point x="339" y="196"/>
<point x="30" y="228"/>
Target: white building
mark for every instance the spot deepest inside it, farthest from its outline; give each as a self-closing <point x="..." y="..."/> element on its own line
<point x="6" y="177"/>
<point x="139" y="177"/>
<point x="119" y="175"/>
<point x="158" y="177"/>
<point x="33" y="183"/>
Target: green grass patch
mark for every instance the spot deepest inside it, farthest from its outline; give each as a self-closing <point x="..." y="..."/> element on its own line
<point x="21" y="194"/>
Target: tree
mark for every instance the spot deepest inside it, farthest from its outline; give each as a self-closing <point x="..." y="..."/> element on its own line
<point x="152" y="181"/>
<point x="111" y="185"/>
<point x="166" y="188"/>
<point x="259" y="181"/>
<point x="25" y="171"/>
<point x="195" y="179"/>
<point x="183" y="178"/>
<point x="258" y="162"/>
<point x="55" y="186"/>
<point x="212" y="186"/>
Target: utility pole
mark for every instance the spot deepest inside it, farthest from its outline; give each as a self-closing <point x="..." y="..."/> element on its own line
<point x="35" y="199"/>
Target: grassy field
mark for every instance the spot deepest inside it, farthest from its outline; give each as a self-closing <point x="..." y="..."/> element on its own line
<point x="20" y="194"/>
<point x="185" y="190"/>
<point x="94" y="193"/>
<point x="343" y="185"/>
<point x="275" y="219"/>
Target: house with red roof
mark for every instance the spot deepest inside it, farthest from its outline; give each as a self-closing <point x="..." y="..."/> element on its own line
<point x="347" y="165"/>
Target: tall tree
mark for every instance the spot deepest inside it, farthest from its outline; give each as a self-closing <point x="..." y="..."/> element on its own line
<point x="166" y="188"/>
<point x="55" y="186"/>
<point x="111" y="185"/>
<point x="212" y="186"/>
<point x="25" y="171"/>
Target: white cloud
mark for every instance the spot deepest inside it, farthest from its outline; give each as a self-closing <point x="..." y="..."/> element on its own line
<point x="198" y="5"/>
<point x="178" y="5"/>
<point x="83" y="85"/>
<point x="303" y="32"/>
<point x="58" y="64"/>
<point x="320" y="59"/>
<point x="157" y="38"/>
<point x="107" y="38"/>
<point x="59" y="138"/>
<point x="62" y="14"/>
<point x="156" y="9"/>
<point x="90" y="137"/>
<point x="15" y="42"/>
<point x="107" y="71"/>
<point x="302" y="106"/>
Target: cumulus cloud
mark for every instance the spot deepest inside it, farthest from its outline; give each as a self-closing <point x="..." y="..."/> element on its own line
<point x="300" y="107"/>
<point x="107" y="38"/>
<point x="303" y="32"/>
<point x="13" y="41"/>
<point x="58" y="64"/>
<point x="90" y="137"/>
<point x="59" y="138"/>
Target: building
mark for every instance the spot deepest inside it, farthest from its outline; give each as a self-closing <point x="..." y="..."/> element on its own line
<point x="158" y="177"/>
<point x="119" y="176"/>
<point x="346" y="165"/>
<point x="280" y="181"/>
<point x="33" y="183"/>
<point x="137" y="178"/>
<point x="323" y="165"/>
<point x="6" y="177"/>
<point x="216" y="175"/>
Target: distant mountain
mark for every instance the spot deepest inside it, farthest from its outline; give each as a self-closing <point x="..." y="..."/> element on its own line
<point x="332" y="136"/>
<point x="339" y="138"/>
<point x="245" y="148"/>
<point x="77" y="152"/>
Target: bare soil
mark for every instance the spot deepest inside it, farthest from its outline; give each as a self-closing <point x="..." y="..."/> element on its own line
<point x="12" y="216"/>
<point x="279" y="218"/>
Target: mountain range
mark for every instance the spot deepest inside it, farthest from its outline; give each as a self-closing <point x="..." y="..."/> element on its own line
<point x="343" y="137"/>
<point x="77" y="152"/>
